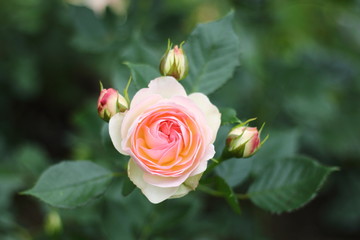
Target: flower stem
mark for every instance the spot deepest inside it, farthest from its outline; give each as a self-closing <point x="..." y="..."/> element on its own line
<point x="242" y="196"/>
<point x="210" y="191"/>
<point x="213" y="192"/>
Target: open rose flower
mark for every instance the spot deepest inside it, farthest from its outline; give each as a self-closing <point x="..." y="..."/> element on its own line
<point x="169" y="137"/>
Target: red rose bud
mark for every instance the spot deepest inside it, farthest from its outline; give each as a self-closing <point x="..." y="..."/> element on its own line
<point x="174" y="62"/>
<point x="110" y="102"/>
<point x="243" y="142"/>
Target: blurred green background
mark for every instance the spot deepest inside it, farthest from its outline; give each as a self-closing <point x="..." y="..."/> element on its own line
<point x="299" y="73"/>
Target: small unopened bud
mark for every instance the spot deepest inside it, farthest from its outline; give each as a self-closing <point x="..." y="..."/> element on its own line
<point x="243" y="141"/>
<point x="174" y="62"/>
<point x="110" y="102"/>
<point x="53" y="223"/>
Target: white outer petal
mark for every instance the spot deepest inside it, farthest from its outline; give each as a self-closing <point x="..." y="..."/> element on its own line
<point x="115" y="124"/>
<point x="153" y="193"/>
<point x="213" y="116"/>
<point x="166" y="87"/>
<point x="165" y="181"/>
<point x="189" y="185"/>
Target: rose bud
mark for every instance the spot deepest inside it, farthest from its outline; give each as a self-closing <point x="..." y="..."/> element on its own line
<point x="243" y="141"/>
<point x="174" y="62"/>
<point x="110" y="102"/>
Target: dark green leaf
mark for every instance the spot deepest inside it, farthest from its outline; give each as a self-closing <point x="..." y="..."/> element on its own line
<point x="142" y="74"/>
<point x="281" y="144"/>
<point x="287" y="184"/>
<point x="71" y="184"/>
<point x="127" y="187"/>
<point x="217" y="186"/>
<point x="31" y="158"/>
<point x="234" y="171"/>
<point x="91" y="34"/>
<point x="213" y="53"/>
<point x="221" y="139"/>
<point x="228" y="194"/>
<point x="9" y="184"/>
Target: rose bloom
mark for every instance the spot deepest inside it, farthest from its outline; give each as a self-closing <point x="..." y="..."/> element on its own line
<point x="169" y="137"/>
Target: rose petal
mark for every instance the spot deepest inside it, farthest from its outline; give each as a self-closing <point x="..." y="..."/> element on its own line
<point x="166" y="182"/>
<point x="115" y="131"/>
<point x="153" y="193"/>
<point x="210" y="152"/>
<point x="213" y="116"/>
<point x="166" y="87"/>
<point x="189" y="185"/>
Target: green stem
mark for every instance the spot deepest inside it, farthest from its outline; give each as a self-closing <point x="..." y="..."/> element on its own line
<point x="210" y="191"/>
<point x="242" y="196"/>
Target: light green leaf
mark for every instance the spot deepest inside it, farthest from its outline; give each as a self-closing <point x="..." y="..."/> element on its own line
<point x="142" y="74"/>
<point x="287" y="184"/>
<point x="71" y="184"/>
<point x="213" y="54"/>
<point x="228" y="116"/>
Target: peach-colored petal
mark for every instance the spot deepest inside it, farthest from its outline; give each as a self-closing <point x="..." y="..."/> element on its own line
<point x="213" y="115"/>
<point x="153" y="193"/>
<point x="115" y="131"/>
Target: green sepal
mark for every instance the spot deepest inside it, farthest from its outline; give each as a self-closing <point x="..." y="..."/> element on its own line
<point x="101" y="86"/>
<point x="126" y="93"/>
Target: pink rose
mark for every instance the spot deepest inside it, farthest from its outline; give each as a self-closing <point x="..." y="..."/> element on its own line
<point x="169" y="137"/>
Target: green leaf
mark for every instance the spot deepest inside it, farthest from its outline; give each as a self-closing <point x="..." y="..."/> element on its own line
<point x="287" y="184"/>
<point x="228" y="116"/>
<point x="91" y="34"/>
<point x="142" y="74"/>
<point x="281" y="144"/>
<point x="31" y="158"/>
<point x="127" y="187"/>
<point x="228" y="194"/>
<point x="9" y="184"/>
<point x="221" y="140"/>
<point x="213" y="54"/>
<point x="234" y="171"/>
<point x="71" y="184"/>
<point x="217" y="186"/>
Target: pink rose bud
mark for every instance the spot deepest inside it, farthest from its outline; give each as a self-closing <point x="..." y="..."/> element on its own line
<point x="110" y="102"/>
<point x="243" y="141"/>
<point x="174" y="62"/>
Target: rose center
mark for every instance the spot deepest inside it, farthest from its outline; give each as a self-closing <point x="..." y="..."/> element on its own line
<point x="169" y="130"/>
